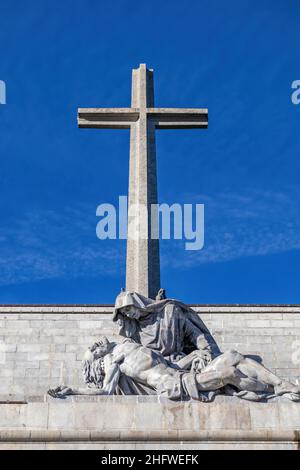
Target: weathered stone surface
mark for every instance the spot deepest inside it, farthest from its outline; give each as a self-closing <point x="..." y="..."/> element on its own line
<point x="81" y="422"/>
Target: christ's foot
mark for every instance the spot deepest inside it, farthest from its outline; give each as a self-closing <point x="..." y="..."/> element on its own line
<point x="287" y="388"/>
<point x="293" y="396"/>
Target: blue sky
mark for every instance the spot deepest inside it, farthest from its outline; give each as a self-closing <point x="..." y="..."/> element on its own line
<point x="238" y="58"/>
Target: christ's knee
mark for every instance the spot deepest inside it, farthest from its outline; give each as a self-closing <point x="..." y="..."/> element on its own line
<point x="232" y="357"/>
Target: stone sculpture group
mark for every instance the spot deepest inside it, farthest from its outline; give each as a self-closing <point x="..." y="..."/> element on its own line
<point x="165" y="349"/>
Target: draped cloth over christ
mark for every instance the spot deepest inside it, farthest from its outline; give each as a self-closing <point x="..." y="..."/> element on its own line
<point x="167" y="326"/>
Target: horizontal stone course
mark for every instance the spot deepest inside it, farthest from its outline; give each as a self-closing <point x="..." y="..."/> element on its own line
<point x="226" y="416"/>
<point x="143" y="421"/>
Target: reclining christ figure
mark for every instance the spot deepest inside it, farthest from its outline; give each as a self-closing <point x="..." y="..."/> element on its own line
<point x="181" y="380"/>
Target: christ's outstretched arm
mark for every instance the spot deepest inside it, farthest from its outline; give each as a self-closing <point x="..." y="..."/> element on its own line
<point x="109" y="386"/>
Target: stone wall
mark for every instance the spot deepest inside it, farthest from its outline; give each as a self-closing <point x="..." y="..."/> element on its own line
<point x="147" y="422"/>
<point x="42" y="346"/>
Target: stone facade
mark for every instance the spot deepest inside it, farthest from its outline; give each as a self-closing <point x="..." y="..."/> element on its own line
<point x="41" y="346"/>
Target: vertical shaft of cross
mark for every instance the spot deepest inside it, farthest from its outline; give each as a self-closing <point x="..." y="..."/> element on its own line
<point x="143" y="265"/>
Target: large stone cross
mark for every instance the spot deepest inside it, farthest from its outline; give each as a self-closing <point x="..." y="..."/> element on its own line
<point x="142" y="264"/>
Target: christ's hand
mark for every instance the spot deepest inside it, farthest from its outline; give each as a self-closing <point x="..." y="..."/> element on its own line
<point x="60" y="392"/>
<point x="201" y="359"/>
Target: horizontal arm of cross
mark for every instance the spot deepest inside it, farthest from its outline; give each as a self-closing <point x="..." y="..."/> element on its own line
<point x="107" y="118"/>
<point x="163" y="118"/>
<point x="179" y="118"/>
